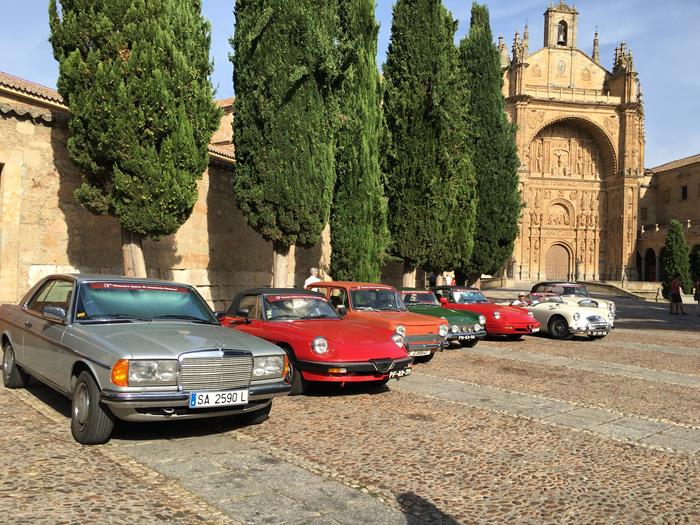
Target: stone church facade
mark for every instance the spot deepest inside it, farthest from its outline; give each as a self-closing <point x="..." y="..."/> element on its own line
<point x="580" y="139"/>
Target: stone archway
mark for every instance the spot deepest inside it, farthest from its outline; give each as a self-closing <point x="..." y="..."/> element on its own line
<point x="557" y="263"/>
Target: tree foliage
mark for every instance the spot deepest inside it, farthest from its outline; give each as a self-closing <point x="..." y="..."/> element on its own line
<point x="430" y="177"/>
<point x="284" y="61"/>
<point x="494" y="150"/>
<point x="675" y="259"/>
<point x="135" y="75"/>
<point x="695" y="262"/>
<point x="359" y="234"/>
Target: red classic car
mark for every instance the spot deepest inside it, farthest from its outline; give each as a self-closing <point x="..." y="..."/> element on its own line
<point x="321" y="345"/>
<point x="380" y="305"/>
<point x="504" y="320"/>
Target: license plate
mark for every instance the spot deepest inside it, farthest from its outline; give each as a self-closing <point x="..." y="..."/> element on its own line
<point x="218" y="399"/>
<point x="535" y="330"/>
<point x="466" y="337"/>
<point x="418" y="353"/>
<point x="600" y="332"/>
<point x="400" y="373"/>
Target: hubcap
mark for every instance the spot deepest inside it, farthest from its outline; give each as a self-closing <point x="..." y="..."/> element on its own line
<point x="560" y="328"/>
<point x="81" y="404"/>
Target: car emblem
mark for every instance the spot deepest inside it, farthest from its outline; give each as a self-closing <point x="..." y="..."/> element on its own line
<point x="220" y="347"/>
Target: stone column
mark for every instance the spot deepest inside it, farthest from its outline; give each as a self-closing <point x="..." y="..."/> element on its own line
<point x="658" y="266"/>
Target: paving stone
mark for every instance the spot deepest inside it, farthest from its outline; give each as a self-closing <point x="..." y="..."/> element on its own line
<point x="620" y="431"/>
<point x="673" y="443"/>
<point x="653" y="427"/>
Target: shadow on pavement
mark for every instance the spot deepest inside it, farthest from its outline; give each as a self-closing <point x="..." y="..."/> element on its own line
<point x="420" y="511"/>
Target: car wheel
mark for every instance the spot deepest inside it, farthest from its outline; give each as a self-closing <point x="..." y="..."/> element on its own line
<point x="256" y="417"/>
<point x="558" y="328"/>
<point x="470" y="344"/>
<point x="90" y="422"/>
<point x="424" y="358"/>
<point x="12" y="375"/>
<point x="299" y="384"/>
<point x="514" y="337"/>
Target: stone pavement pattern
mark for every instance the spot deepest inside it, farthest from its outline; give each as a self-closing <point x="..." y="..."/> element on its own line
<point x="505" y="432"/>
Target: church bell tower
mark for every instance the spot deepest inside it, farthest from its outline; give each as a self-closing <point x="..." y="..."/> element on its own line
<point x="560" y="26"/>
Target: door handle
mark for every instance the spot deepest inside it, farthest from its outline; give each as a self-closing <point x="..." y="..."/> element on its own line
<point x="27" y="324"/>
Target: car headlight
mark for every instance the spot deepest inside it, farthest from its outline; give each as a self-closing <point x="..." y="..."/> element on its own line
<point x="496" y="315"/>
<point x="443" y="330"/>
<point x="269" y="367"/>
<point x="401" y="330"/>
<point x="454" y="328"/>
<point x="482" y="320"/>
<point x="145" y="372"/>
<point x="398" y="339"/>
<point x="477" y="327"/>
<point x="319" y="346"/>
<point x="577" y="316"/>
<point x="530" y="314"/>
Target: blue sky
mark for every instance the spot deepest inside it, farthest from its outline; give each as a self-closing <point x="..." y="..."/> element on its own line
<point x="662" y="35"/>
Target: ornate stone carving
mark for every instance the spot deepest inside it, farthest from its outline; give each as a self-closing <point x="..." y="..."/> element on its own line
<point x="561" y="67"/>
<point x="586" y="73"/>
<point x="611" y="123"/>
<point x="536" y="71"/>
<point x="558" y="215"/>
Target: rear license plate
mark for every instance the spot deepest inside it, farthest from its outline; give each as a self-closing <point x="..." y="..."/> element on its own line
<point x="535" y="330"/>
<point x="418" y="353"/>
<point x="218" y="399"/>
<point x="400" y="373"/>
<point x="466" y="337"/>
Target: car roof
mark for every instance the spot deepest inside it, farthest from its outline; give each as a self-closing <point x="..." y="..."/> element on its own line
<point x="91" y="277"/>
<point x="415" y="290"/>
<point x="351" y="284"/>
<point x="453" y="287"/>
<point x="559" y="283"/>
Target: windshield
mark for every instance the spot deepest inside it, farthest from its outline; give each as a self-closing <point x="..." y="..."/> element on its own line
<point x="110" y="301"/>
<point x="579" y="291"/>
<point x="285" y="307"/>
<point x="548" y="299"/>
<point x="469" y="296"/>
<point x="384" y="299"/>
<point x="410" y="298"/>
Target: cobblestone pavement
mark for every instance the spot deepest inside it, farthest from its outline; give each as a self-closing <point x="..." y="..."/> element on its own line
<point x="531" y="431"/>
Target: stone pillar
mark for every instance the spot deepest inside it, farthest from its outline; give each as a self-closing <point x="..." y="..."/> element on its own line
<point x="657" y="278"/>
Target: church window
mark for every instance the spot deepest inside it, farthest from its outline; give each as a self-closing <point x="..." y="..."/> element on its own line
<point x="684" y="193"/>
<point x="643" y="213"/>
<point x="562" y="31"/>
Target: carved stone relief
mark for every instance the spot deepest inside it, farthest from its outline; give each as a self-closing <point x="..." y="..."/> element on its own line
<point x="564" y="151"/>
<point x="586" y="73"/>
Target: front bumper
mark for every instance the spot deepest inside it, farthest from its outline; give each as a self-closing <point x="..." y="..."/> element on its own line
<point x="151" y="406"/>
<point x="508" y="328"/>
<point x="356" y="371"/>
<point x="426" y="344"/>
<point x="591" y="330"/>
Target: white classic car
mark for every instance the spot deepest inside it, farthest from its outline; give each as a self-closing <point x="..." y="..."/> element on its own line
<point x="562" y="320"/>
<point x="576" y="294"/>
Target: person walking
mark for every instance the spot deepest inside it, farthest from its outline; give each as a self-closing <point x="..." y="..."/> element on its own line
<point x="696" y="295"/>
<point x="676" y="298"/>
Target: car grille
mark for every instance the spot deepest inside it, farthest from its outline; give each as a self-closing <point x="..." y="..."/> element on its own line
<point x="596" y="322"/>
<point x="220" y="372"/>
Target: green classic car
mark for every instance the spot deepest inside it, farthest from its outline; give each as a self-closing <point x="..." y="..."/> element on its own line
<point x="465" y="328"/>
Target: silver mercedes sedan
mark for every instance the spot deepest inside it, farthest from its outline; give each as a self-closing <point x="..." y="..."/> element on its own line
<point x="137" y="350"/>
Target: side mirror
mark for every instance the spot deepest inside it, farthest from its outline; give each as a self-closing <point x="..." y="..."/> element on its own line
<point x="54" y="313"/>
<point x="244" y="313"/>
<point x="342" y="310"/>
<point x="443" y="300"/>
<point x="220" y="314"/>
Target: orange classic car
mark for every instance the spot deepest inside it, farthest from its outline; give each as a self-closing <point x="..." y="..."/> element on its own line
<point x="380" y="305"/>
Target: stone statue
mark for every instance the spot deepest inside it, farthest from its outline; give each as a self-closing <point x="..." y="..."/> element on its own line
<point x="579" y="163"/>
<point x="538" y="157"/>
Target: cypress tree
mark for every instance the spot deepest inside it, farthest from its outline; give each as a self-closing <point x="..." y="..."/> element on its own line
<point x="675" y="259"/>
<point x="695" y="262"/>
<point x="135" y="75"/>
<point x="284" y="61"/>
<point x="493" y="149"/>
<point x="359" y="234"/>
<point x="430" y="183"/>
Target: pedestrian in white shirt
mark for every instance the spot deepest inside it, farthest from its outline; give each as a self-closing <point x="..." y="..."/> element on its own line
<point x="313" y="278"/>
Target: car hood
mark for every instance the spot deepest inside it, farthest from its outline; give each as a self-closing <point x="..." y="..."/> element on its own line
<point x="416" y="324"/>
<point x="452" y="316"/>
<point x="164" y="340"/>
<point x="345" y="331"/>
<point x="487" y="309"/>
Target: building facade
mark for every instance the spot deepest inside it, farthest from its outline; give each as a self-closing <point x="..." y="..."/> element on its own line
<point x="580" y="138"/>
<point x="670" y="191"/>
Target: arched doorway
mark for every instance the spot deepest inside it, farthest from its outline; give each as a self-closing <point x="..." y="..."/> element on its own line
<point x="557" y="263"/>
<point x="650" y="265"/>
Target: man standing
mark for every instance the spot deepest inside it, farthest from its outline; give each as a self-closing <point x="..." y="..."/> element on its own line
<point x="313" y="278"/>
<point x="676" y="299"/>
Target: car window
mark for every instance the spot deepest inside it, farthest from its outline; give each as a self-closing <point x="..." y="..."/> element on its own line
<point x="385" y="299"/>
<point x="290" y="306"/>
<point x="54" y="293"/>
<point x="252" y="304"/>
<point x="420" y="298"/>
<point x="339" y="297"/>
<point x="469" y="297"/>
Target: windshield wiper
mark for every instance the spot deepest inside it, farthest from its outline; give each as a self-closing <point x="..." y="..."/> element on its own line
<point x="192" y="318"/>
<point x="106" y="318"/>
